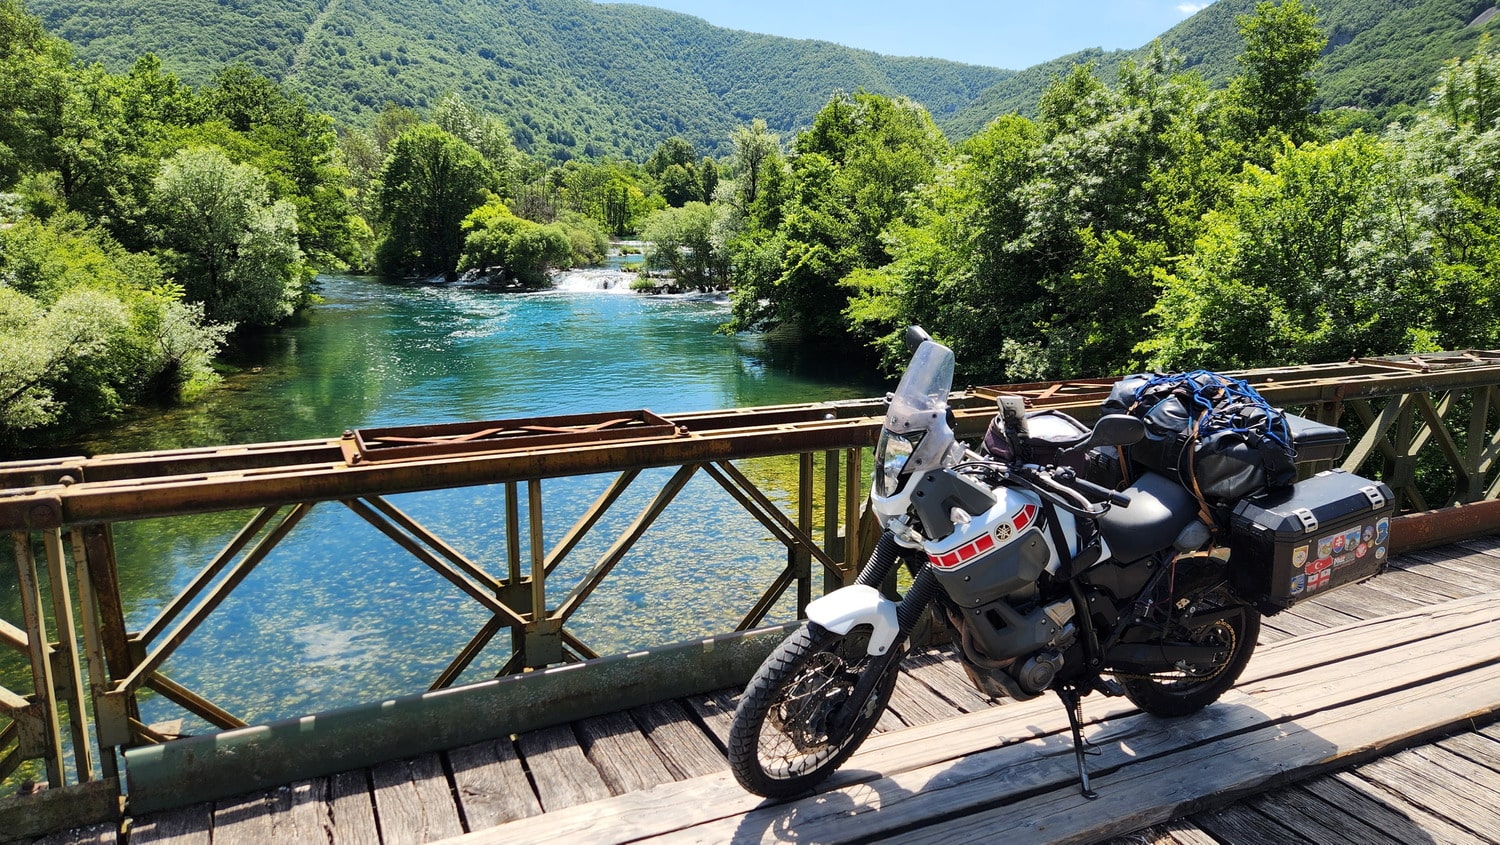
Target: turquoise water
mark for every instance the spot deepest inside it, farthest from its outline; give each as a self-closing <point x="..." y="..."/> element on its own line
<point x="338" y="614"/>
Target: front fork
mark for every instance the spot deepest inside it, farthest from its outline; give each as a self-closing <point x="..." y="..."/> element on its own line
<point x="924" y="588"/>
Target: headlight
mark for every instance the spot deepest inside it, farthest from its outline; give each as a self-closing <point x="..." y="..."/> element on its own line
<point x="891" y="455"/>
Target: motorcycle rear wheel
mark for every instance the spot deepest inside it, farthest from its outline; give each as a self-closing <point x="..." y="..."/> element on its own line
<point x="783" y="741"/>
<point x="1194" y="688"/>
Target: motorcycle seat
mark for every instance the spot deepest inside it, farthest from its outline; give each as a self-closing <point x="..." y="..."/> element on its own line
<point x="1159" y="509"/>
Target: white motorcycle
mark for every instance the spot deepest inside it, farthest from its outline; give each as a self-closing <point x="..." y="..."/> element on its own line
<point x="1048" y="581"/>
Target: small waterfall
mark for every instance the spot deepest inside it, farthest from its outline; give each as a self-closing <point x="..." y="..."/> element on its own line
<point x="607" y="279"/>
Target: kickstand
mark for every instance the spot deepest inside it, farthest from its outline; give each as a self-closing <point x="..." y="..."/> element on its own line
<point x="1073" y="703"/>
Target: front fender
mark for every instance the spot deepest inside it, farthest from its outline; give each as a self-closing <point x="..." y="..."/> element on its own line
<point x="842" y="609"/>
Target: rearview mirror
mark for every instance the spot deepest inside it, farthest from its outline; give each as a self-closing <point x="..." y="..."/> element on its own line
<point x="915" y="336"/>
<point x="1117" y="430"/>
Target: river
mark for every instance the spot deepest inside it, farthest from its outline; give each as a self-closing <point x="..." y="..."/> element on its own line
<point x="339" y="615"/>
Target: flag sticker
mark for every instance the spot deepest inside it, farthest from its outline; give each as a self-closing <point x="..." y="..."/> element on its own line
<point x="1299" y="557"/>
<point x="1317" y="580"/>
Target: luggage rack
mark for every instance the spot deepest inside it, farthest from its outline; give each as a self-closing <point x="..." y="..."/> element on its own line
<point x="399" y="443"/>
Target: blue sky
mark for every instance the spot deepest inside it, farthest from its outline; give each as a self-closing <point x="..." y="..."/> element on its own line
<point x="1011" y="34"/>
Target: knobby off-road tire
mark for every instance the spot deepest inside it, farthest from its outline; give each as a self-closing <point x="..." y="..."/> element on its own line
<point x="1185" y="692"/>
<point x="780" y="744"/>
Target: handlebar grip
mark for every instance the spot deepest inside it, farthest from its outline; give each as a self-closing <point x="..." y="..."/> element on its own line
<point x="1099" y="493"/>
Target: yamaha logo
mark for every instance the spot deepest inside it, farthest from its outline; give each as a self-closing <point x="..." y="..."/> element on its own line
<point x="1003" y="532"/>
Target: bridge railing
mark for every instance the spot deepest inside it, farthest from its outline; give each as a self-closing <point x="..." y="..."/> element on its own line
<point x="79" y="615"/>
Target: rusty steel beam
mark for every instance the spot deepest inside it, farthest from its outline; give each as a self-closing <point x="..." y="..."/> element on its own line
<point x="1446" y="525"/>
<point x="42" y="494"/>
<point x="112" y="501"/>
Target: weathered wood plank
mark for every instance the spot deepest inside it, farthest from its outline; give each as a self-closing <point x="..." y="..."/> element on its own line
<point x="621" y="753"/>
<point x="413" y="801"/>
<point x="99" y="834"/>
<point x="1269" y="633"/>
<point x="563" y="775"/>
<point x="1476" y="747"/>
<point x="1181" y="832"/>
<point x="1422" y="586"/>
<point x="917" y="704"/>
<point x="682" y="804"/>
<point x="1312" y="818"/>
<point x="1483" y="545"/>
<point x="1372" y="636"/>
<point x="1308" y="691"/>
<point x="1238" y="823"/>
<point x="688" y="751"/>
<point x="1311" y="692"/>
<point x="942" y="673"/>
<point x="351" y="809"/>
<point x="1360" y="601"/>
<point x="716" y="710"/>
<point x="301" y="814"/>
<point x="1408" y="642"/>
<point x="1479" y="780"/>
<point x="1294" y="624"/>
<point x="1318" y="613"/>
<point x="491" y="784"/>
<point x="1386" y="812"/>
<point x="1478" y="570"/>
<point x="1409" y="777"/>
<point x="1142" y="794"/>
<point x="246" y="818"/>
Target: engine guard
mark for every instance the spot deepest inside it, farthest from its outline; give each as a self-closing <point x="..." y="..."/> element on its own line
<point x="842" y="609"/>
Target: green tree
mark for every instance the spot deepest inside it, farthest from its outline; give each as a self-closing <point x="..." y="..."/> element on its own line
<point x="674" y="165"/>
<point x="1117" y="189"/>
<point x="34" y="68"/>
<point x="852" y="174"/>
<point x="430" y="182"/>
<point x="87" y="327"/>
<point x="228" y="244"/>
<point x="953" y="270"/>
<point x="680" y="241"/>
<point x="484" y="133"/>
<point x="1318" y="259"/>
<point x="298" y="151"/>
<point x="1272" y="98"/>
<point x="500" y="243"/>
<point x="757" y="151"/>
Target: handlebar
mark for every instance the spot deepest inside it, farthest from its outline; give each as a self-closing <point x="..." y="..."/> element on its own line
<point x="1098" y="493"/>
<point x="1065" y="479"/>
<point x="1053" y="481"/>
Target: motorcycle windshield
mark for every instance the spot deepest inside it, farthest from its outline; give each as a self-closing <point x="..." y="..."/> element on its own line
<point x="920" y="403"/>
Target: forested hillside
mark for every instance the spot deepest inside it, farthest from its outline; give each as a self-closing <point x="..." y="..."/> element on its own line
<point x="570" y="78"/>
<point x="573" y="78"/>
<point x="1381" y="56"/>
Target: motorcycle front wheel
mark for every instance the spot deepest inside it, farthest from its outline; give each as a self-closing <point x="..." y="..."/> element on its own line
<point x="797" y="722"/>
<point x="1192" y="688"/>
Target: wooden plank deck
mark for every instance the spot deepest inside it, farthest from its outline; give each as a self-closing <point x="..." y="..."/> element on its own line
<point x="1300" y="752"/>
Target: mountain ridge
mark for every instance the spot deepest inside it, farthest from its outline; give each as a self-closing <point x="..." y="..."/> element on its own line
<point x="573" y="78"/>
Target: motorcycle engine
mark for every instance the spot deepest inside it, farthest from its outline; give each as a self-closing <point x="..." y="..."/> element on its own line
<point x="991" y="568"/>
<point x="1013" y="654"/>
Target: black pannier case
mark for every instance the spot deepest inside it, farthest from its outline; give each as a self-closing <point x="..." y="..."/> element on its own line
<point x="1325" y="532"/>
